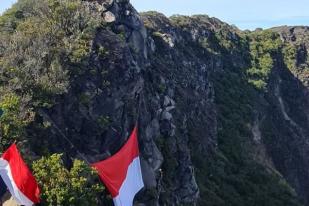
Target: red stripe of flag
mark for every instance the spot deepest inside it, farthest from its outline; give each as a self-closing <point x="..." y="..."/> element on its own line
<point x="21" y="174"/>
<point x="113" y="171"/>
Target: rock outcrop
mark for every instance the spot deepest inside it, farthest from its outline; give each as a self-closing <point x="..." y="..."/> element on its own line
<point x="222" y="113"/>
<point x="181" y="79"/>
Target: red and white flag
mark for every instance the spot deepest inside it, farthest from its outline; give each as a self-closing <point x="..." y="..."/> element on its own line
<point x="18" y="178"/>
<point x="122" y="173"/>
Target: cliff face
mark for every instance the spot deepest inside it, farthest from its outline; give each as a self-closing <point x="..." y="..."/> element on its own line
<point x="286" y="124"/>
<point x="222" y="113"/>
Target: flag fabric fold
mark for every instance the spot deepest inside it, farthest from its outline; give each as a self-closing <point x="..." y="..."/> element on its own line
<point x="121" y="173"/>
<point x="18" y="178"/>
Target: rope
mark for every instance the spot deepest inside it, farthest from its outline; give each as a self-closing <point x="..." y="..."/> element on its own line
<point x="64" y="136"/>
<point x="138" y="107"/>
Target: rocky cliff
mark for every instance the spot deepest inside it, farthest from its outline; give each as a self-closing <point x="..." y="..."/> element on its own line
<point x="222" y="113"/>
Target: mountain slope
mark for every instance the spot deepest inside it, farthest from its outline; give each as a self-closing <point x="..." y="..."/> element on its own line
<point x="222" y="113"/>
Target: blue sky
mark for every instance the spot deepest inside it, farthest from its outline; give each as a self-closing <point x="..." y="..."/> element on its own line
<point x="4" y="4"/>
<point x="246" y="14"/>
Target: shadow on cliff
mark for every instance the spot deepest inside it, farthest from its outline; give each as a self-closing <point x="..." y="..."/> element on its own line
<point x="285" y="128"/>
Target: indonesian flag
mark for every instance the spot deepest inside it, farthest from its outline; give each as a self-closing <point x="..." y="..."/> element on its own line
<point x="122" y="173"/>
<point x="18" y="178"/>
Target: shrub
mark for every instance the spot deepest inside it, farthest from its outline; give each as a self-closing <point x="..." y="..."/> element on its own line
<point x="60" y="186"/>
<point x="264" y="46"/>
<point x="290" y="55"/>
<point x="47" y="46"/>
<point x="14" y="118"/>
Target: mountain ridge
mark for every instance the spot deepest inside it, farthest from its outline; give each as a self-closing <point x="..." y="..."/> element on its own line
<point x="223" y="113"/>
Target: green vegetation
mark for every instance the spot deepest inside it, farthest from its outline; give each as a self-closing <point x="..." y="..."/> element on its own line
<point x="45" y="45"/>
<point x="181" y="20"/>
<point x="264" y="45"/>
<point x="289" y="53"/>
<point x="60" y="186"/>
<point x="230" y="175"/>
<point x="104" y="121"/>
<point x="12" y="120"/>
